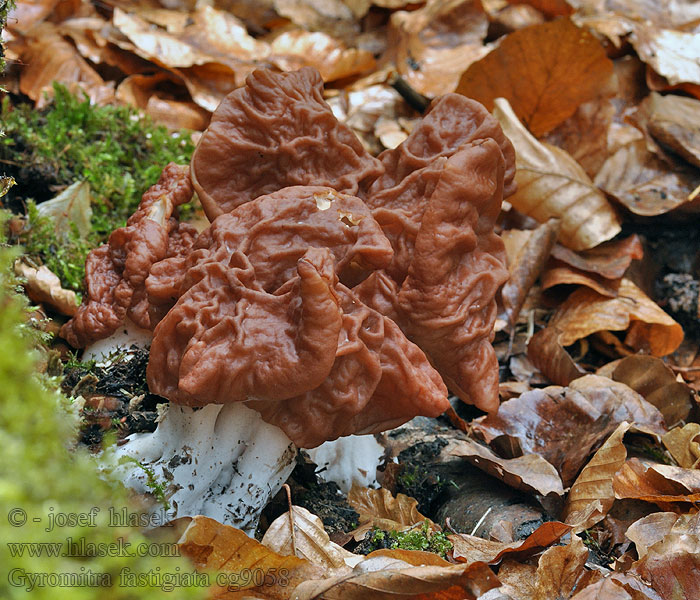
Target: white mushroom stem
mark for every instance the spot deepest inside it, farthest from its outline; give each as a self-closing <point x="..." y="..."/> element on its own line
<point x="128" y="334"/>
<point x="349" y="460"/>
<point x="221" y="461"/>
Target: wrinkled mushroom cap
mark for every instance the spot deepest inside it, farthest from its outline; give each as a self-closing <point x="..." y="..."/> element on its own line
<point x="276" y="132"/>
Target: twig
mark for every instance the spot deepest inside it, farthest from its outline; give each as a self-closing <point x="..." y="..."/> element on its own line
<point x="483" y="518"/>
<point x="291" y="517"/>
<point x="411" y="96"/>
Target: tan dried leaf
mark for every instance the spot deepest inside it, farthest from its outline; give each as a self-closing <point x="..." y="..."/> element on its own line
<point x="432" y="46"/>
<point x="594" y="483"/>
<point x="661" y="484"/>
<point x="380" y="578"/>
<point x="559" y="570"/>
<point x="684" y="445"/>
<point x="309" y="540"/>
<point x="645" y="184"/>
<point x="649" y="328"/>
<point x="551" y="8"/>
<point x="672" y="54"/>
<point x="674" y="121"/>
<point x="529" y="473"/>
<point x="527" y="267"/>
<point x="380" y="507"/>
<point x="292" y="50"/>
<point x="545" y="71"/>
<point x="471" y="549"/>
<point x="334" y="17"/>
<point x="651" y="529"/>
<point x="212" y="546"/>
<point x="605" y="589"/>
<point x="653" y="379"/>
<point x="44" y="286"/>
<point x="71" y="207"/>
<point x="552" y="184"/>
<point x="546" y="352"/>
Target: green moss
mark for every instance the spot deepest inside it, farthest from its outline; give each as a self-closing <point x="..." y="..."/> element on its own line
<point x="415" y="539"/>
<point x="50" y="493"/>
<point x="5" y="7"/>
<point x="116" y="149"/>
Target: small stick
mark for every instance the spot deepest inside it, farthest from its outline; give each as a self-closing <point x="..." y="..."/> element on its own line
<point x="411" y="96"/>
<point x="291" y="517"/>
<point x="483" y="518"/>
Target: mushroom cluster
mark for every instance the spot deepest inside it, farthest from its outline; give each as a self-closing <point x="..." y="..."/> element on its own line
<point x="333" y="294"/>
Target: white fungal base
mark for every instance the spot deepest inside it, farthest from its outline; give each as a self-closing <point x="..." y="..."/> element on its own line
<point x="221" y="461"/>
<point x="348" y="460"/>
<point x="126" y="336"/>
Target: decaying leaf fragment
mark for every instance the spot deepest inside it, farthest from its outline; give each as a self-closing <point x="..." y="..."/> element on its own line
<point x="648" y="327"/>
<point x="672" y="54"/>
<point x="594" y="483"/>
<point x="684" y="445"/>
<point x="385" y="511"/>
<point x="545" y="71"/>
<point x="552" y="184"/>
<point x="44" y="286"/>
<point x="547" y="353"/>
<point x="559" y="570"/>
<point x="653" y="482"/>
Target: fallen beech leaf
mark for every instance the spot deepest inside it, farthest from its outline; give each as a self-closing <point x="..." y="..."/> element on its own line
<point x="310" y="541"/>
<point x="653" y="379"/>
<point x="594" y="483"/>
<point x="529" y="473"/>
<point x="651" y="529"/>
<point x="605" y="589"/>
<point x="545" y="71"/>
<point x="380" y="507"/>
<point x="472" y="549"/>
<point x="292" y="50"/>
<point x="427" y="583"/>
<point x="527" y="267"/>
<point x="559" y="570"/>
<point x="519" y="579"/>
<point x="644" y="183"/>
<point x="433" y="45"/>
<point x="684" y="445"/>
<point x="44" y="286"/>
<point x="552" y="184"/>
<point x="661" y="484"/>
<point x="546" y="352"/>
<point x="559" y="273"/>
<point x="5" y="184"/>
<point x="330" y="16"/>
<point x="672" y="54"/>
<point x="70" y="207"/>
<point x="672" y="565"/>
<point x="674" y="122"/>
<point x="212" y="546"/>
<point x="416" y="558"/>
<point x="563" y="425"/>
<point x="609" y="260"/>
<point x="551" y="8"/>
<point x="649" y="328"/>
<point x="48" y="58"/>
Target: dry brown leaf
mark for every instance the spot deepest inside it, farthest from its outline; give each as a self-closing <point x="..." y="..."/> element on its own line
<point x="661" y="484"/>
<point x="310" y="541"/>
<point x="594" y="483"/>
<point x="674" y="122"/>
<point x="559" y="570"/>
<point x="527" y="267"/>
<point x="552" y="184"/>
<point x="559" y="273"/>
<point x="684" y="445"/>
<point x="471" y="549"/>
<point x="672" y="54"/>
<point x="671" y="565"/>
<point x="609" y="260"/>
<point x="529" y="473"/>
<point x="382" y="509"/>
<point x="644" y="183"/>
<point x="546" y="352"/>
<point x="551" y="8"/>
<point x="416" y="558"/>
<point x="71" y="208"/>
<point x="334" y="17"/>
<point x="653" y="379"/>
<point x="212" y="546"/>
<point x="651" y="529"/>
<point x="376" y="579"/>
<point x="518" y="578"/>
<point x="648" y="327"/>
<point x="43" y="286"/>
<point x="564" y="425"/>
<point x="292" y="50"/>
<point x="605" y="589"/>
<point x="48" y="58"/>
<point x="545" y="71"/>
<point x="432" y="46"/>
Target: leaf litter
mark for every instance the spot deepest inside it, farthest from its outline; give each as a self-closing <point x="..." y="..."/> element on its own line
<point x="600" y="100"/>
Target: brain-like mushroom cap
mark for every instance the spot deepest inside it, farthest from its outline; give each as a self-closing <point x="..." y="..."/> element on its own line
<point x="276" y="132"/>
<point x="115" y="272"/>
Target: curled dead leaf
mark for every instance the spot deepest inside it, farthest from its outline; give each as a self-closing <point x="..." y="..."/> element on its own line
<point x="684" y="445"/>
<point x="529" y="473"/>
<point x="654" y="380"/>
<point x="594" y="485"/>
<point x="648" y="327"/>
<point x="552" y="184"/>
<point x="44" y="286"/>
<point x="672" y="54"/>
<point x="560" y="569"/>
<point x="662" y="484"/>
<point x="381" y="508"/>
<point x="547" y="353"/>
<point x="570" y="68"/>
<point x="564" y="425"/>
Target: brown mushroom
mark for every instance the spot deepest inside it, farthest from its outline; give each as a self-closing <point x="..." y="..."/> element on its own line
<point x="116" y="271"/>
<point x="276" y="132"/>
